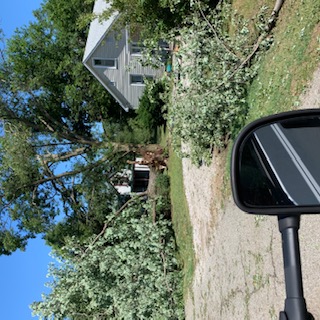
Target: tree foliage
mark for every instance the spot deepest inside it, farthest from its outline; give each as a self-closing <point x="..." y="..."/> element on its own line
<point x="128" y="272"/>
<point x="151" y="113"/>
<point x="52" y="157"/>
<point x="46" y="70"/>
<point x="152" y="17"/>
<point x="142" y="128"/>
<point x="215" y="68"/>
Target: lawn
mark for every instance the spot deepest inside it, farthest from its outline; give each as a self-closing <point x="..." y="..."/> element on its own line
<point x="180" y="213"/>
<point x="181" y="219"/>
<point x="289" y="64"/>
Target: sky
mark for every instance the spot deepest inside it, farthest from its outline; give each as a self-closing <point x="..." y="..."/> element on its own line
<point x="23" y="274"/>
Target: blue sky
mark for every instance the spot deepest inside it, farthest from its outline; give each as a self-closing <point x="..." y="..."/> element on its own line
<point x="23" y="274"/>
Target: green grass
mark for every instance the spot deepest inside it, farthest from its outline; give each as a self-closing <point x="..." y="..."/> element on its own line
<point x="289" y="64"/>
<point x="181" y="220"/>
<point x="249" y="8"/>
<point x="161" y="136"/>
<point x="180" y="213"/>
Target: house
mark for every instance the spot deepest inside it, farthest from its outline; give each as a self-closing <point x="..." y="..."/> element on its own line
<point x="114" y="58"/>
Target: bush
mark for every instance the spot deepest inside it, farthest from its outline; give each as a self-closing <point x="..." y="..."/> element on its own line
<point x="150" y="113"/>
<point x="163" y="193"/>
<point x="141" y="127"/>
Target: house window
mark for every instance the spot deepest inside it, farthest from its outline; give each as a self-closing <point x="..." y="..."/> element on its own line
<point x="139" y="79"/>
<point x="105" y="63"/>
<point x="136" y="49"/>
<point x="136" y="79"/>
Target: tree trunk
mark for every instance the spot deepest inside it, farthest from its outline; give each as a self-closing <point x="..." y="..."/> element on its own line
<point x="151" y="190"/>
<point x="136" y="148"/>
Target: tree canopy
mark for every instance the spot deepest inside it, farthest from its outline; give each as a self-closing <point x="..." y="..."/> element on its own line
<point x="154" y="18"/>
<point x="128" y="271"/>
<point x="117" y="261"/>
<point x="52" y="155"/>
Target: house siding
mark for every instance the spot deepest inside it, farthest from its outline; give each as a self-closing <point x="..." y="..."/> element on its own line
<point x="115" y="46"/>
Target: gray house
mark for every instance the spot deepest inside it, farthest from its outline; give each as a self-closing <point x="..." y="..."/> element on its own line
<point x="114" y="58"/>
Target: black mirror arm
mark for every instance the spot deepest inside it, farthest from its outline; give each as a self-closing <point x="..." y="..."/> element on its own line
<point x="295" y="304"/>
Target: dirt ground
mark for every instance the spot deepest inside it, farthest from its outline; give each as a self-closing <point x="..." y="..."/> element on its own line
<point x="239" y="267"/>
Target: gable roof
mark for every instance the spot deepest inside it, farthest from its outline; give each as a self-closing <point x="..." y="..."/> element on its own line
<point x="98" y="29"/>
<point x="97" y="32"/>
<point x="116" y="82"/>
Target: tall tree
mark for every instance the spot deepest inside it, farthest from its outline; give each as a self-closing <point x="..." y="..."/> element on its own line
<point x="45" y="60"/>
<point x="53" y="160"/>
<point x="155" y="19"/>
<point x="152" y="15"/>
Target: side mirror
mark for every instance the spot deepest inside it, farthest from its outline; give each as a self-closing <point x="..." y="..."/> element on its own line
<point x="275" y="166"/>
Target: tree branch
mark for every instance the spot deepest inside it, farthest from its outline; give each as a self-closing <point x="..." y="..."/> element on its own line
<point x="142" y="194"/>
<point x="65" y="132"/>
<point x="62" y="175"/>
<point x="227" y="48"/>
<point x="63" y="156"/>
<point x="52" y="126"/>
<point x="269" y="27"/>
<point x="52" y="144"/>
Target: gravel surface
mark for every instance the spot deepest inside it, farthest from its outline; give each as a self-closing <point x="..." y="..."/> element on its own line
<point x="239" y="267"/>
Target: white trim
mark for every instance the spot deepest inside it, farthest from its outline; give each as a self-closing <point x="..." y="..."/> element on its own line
<point x="124" y="104"/>
<point x="140" y="167"/>
<point x="98" y="29"/>
<point x="127" y="40"/>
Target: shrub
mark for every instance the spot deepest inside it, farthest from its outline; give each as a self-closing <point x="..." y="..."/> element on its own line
<point x="141" y="127"/>
<point x="150" y="112"/>
<point x="163" y="193"/>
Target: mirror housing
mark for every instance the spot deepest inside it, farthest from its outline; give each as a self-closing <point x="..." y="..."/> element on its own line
<point x="275" y="164"/>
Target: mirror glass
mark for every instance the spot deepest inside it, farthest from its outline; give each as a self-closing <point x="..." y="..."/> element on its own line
<point x="279" y="164"/>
